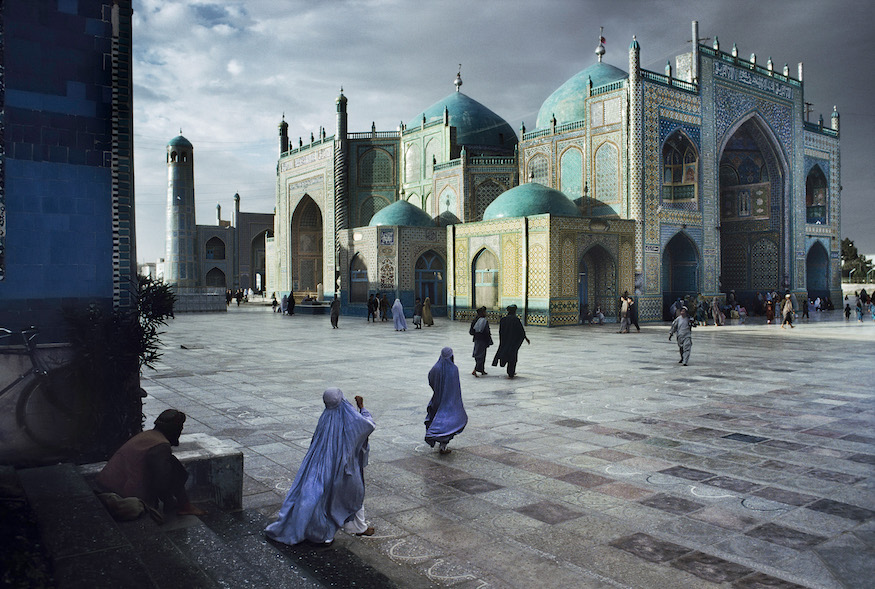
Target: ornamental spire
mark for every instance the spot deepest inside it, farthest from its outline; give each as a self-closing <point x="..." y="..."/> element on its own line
<point x="600" y="50"/>
<point x="458" y="81"/>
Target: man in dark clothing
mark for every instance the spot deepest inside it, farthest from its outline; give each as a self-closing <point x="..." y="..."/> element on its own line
<point x="144" y="467"/>
<point x="372" y="307"/>
<point x="633" y="311"/>
<point x="384" y="308"/>
<point x="291" y="304"/>
<point x="417" y="313"/>
<point x="482" y="340"/>
<point x="511" y="335"/>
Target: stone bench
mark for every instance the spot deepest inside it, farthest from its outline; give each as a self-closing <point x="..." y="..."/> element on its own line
<point x="215" y="469"/>
<point x="313" y="308"/>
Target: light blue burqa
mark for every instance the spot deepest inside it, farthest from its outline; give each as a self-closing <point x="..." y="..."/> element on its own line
<point x="329" y="487"/>
<point x="398" y="316"/>
<point x="445" y="415"/>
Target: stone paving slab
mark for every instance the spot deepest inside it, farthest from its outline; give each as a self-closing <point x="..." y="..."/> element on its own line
<point x="603" y="464"/>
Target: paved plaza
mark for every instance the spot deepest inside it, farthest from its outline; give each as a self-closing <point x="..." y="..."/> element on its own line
<point x="603" y="464"/>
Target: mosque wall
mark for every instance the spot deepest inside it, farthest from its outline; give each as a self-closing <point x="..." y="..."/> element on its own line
<point x="373" y="178"/>
<point x="823" y="150"/>
<point x="422" y="147"/>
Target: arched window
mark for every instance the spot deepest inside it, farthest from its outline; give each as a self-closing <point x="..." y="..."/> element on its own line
<point x="214" y="249"/>
<point x="432" y="151"/>
<point x="215" y="278"/>
<point x="815" y="196"/>
<point x="607" y="169"/>
<point x="680" y="172"/>
<point x="173" y="156"/>
<point x="485" y="280"/>
<point x="358" y="280"/>
<point x="447" y="201"/>
<point x="429" y="272"/>
<point x="375" y="167"/>
<point x="571" y="173"/>
<point x="539" y="170"/>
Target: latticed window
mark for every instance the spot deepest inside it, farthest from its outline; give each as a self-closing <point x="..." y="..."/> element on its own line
<point x="815" y="196"/>
<point x="484" y="194"/>
<point x="310" y="216"/>
<point x="606" y="171"/>
<point x="680" y="169"/>
<point x="375" y="167"/>
<point x="539" y="168"/>
<point x="369" y="208"/>
<point x="571" y="173"/>
<point x="430" y="278"/>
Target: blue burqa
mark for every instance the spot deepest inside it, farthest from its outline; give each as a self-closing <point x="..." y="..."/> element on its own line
<point x="445" y="416"/>
<point x="329" y="487"/>
<point x="398" y="316"/>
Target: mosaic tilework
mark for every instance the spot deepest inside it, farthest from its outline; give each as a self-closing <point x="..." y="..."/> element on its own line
<point x="539" y="266"/>
<point x="510" y="263"/>
<point x="568" y="270"/>
<point x="607" y="162"/>
<point x="734" y="106"/>
<point x="764" y="265"/>
<point x="484" y="194"/>
<point x="387" y="274"/>
<point x="539" y="170"/>
<point x="571" y="173"/>
<point x="413" y="243"/>
<point x="461" y="282"/>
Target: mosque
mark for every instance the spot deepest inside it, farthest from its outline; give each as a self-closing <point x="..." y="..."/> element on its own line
<point x="198" y="258"/>
<point x="703" y="179"/>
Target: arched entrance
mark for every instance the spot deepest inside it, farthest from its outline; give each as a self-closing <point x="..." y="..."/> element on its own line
<point x="306" y="246"/>
<point x="753" y="224"/>
<point x="215" y="279"/>
<point x="817" y="271"/>
<point x="429" y="278"/>
<point x="358" y="280"/>
<point x="597" y="282"/>
<point x="680" y="271"/>
<point x="258" y="259"/>
<point x="485" y="280"/>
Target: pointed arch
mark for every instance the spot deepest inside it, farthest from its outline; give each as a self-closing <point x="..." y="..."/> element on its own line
<point x="680" y="168"/>
<point x="485" y="270"/>
<point x="681" y="274"/>
<point x="429" y="278"/>
<point x="816" y="196"/>
<point x="215" y="279"/>
<point x="214" y="249"/>
<point x="597" y="281"/>
<point x="607" y="173"/>
<point x="306" y="246"/>
<point x="571" y="172"/>
<point x="538" y="169"/>
<point x="359" y="283"/>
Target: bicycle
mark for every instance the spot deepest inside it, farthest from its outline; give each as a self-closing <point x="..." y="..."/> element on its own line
<point x="48" y="416"/>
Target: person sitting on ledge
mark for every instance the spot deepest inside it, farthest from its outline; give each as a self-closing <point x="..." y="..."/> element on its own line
<point x="145" y="467"/>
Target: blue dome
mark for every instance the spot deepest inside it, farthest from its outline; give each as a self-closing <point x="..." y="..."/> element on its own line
<point x="179" y="141"/>
<point x="567" y="102"/>
<point x="475" y="124"/>
<point x="401" y="213"/>
<point x="530" y="199"/>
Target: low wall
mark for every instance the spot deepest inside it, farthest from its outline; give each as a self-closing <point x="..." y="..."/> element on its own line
<point x="199" y="302"/>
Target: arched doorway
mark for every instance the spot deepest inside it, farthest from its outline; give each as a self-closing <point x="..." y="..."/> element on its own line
<point x="215" y="279"/>
<point x="680" y="271"/>
<point x="258" y="259"/>
<point x="358" y="280"/>
<point x="752" y="211"/>
<point x="429" y="278"/>
<point x="485" y="280"/>
<point x="817" y="271"/>
<point x="306" y="246"/>
<point x="597" y="282"/>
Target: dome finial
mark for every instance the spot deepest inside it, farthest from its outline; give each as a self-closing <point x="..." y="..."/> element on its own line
<point x="458" y="81"/>
<point x="600" y="50"/>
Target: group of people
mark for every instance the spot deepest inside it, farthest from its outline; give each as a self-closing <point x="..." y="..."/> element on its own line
<point x="241" y="295"/>
<point x="863" y="304"/>
<point x="628" y="311"/>
<point x="286" y="306"/>
<point x="511" y="335"/>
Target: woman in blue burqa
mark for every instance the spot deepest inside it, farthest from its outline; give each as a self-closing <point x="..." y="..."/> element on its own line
<point x="445" y="415"/>
<point x="329" y="490"/>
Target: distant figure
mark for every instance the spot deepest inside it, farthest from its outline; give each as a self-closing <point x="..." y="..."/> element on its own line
<point x="291" y="303"/>
<point x="624" y="313"/>
<point x="805" y="307"/>
<point x="284" y="304"/>
<point x="598" y="317"/>
<point x="787" y="312"/>
<point x="145" y="467"/>
<point x="228" y="297"/>
<point x="445" y="414"/>
<point x="239" y="296"/>
<point x="426" y="313"/>
<point x="273" y="302"/>
<point x="847" y="312"/>
<point x="329" y="489"/>
<point x="417" y="313"/>
<point x="373" y="305"/>
<point x="860" y="309"/>
<point x="335" y="311"/>
<point x="511" y="335"/>
<point x="482" y="340"/>
<point x="633" y="312"/>
<point x="770" y="311"/>
<point x="384" y="308"/>
<point x="716" y="313"/>
<point x="681" y="326"/>
<point x="398" y="316"/>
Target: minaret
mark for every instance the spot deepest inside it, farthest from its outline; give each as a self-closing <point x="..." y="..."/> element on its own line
<point x="235" y="250"/>
<point x="180" y="260"/>
<point x="636" y="156"/>
<point x="834" y="119"/>
<point x="284" y="136"/>
<point x="341" y="220"/>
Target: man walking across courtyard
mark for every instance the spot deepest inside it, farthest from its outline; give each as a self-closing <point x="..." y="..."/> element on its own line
<point x="681" y="326"/>
<point x="511" y="335"/>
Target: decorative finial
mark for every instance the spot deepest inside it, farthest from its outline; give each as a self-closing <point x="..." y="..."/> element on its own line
<point x="600" y="50"/>
<point x="734" y="50"/>
<point x="716" y="44"/>
<point x="180" y="130"/>
<point x="770" y="65"/>
<point x="458" y="81"/>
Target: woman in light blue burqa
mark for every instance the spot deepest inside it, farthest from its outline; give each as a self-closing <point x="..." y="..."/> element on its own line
<point x="398" y="316"/>
<point x="329" y="490"/>
<point x="445" y="415"/>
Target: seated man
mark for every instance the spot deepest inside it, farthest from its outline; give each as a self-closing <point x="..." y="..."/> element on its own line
<point x="144" y="467"/>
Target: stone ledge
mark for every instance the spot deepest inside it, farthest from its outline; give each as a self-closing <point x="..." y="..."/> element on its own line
<point x="215" y="469"/>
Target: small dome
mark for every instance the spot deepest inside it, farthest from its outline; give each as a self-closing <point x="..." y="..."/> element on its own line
<point x="567" y="102"/>
<point x="179" y="141"/>
<point x="446" y="218"/>
<point x="530" y="199"/>
<point x="475" y="124"/>
<point x="401" y="213"/>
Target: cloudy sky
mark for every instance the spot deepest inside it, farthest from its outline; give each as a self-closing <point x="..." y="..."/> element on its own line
<point x="225" y="72"/>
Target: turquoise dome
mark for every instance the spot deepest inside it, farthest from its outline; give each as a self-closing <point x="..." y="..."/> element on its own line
<point x="179" y="141"/>
<point x="530" y="199"/>
<point x="567" y="102"/>
<point x="401" y="213"/>
<point x="475" y="124"/>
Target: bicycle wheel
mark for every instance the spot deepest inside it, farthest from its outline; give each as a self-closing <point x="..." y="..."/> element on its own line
<point x="45" y="421"/>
